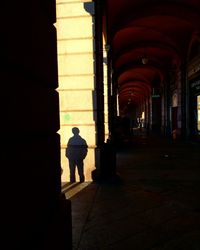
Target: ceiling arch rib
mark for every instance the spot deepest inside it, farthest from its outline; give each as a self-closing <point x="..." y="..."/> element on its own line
<point x="158" y="58"/>
<point x="133" y="94"/>
<point x="140" y="36"/>
<point x="134" y="85"/>
<point x="152" y="51"/>
<point x="136" y="101"/>
<point x="143" y="74"/>
<point x="136" y="93"/>
<point x="188" y="12"/>
<point x="137" y="96"/>
<point x="128" y="75"/>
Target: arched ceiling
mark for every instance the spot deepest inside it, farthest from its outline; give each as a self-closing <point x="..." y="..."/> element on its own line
<point x="160" y="30"/>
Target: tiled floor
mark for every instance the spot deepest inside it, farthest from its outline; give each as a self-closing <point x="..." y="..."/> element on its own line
<point x="155" y="205"/>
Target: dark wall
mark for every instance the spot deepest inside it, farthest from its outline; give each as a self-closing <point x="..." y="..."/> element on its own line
<point x="29" y="110"/>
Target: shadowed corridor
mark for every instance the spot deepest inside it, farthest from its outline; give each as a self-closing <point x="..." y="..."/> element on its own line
<point x="153" y="205"/>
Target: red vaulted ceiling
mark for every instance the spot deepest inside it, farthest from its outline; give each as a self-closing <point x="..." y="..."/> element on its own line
<point x="163" y="30"/>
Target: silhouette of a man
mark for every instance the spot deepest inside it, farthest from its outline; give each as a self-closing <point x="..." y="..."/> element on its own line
<point x="76" y="152"/>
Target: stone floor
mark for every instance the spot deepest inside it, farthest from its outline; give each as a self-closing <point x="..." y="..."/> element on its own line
<point x="155" y="203"/>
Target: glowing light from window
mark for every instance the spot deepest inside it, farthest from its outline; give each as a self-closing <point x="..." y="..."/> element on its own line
<point x="143" y="116"/>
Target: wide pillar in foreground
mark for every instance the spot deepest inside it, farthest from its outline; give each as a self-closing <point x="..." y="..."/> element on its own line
<point x="33" y="214"/>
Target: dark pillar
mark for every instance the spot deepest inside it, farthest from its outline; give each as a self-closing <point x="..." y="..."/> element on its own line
<point x="33" y="214"/>
<point x="110" y="145"/>
<point x="167" y="97"/>
<point x="105" y="152"/>
<point x="112" y="94"/>
<point x="184" y="103"/>
<point x="100" y="130"/>
<point x="147" y="114"/>
<point x="110" y="104"/>
<point x="99" y="73"/>
<point x="156" y="115"/>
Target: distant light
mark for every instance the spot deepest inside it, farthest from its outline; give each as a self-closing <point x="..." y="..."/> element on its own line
<point x="145" y="60"/>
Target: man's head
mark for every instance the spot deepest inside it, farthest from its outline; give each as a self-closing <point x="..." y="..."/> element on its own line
<point x="75" y="131"/>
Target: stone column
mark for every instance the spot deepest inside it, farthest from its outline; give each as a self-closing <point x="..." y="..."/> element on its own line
<point x="32" y="214"/>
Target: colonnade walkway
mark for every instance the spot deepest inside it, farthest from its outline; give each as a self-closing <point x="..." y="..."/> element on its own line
<point x="154" y="204"/>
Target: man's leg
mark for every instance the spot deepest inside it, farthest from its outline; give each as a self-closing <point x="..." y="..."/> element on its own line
<point x="72" y="167"/>
<point x="80" y="171"/>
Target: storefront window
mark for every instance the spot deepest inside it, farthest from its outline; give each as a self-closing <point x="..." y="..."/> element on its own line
<point x="198" y="112"/>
